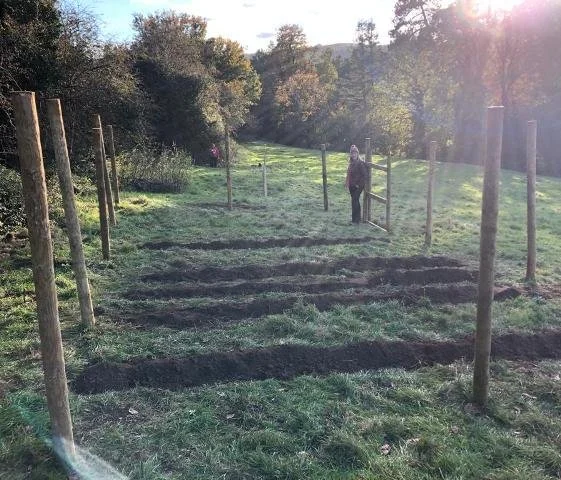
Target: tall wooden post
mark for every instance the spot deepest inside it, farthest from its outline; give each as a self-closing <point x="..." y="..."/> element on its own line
<point x="388" y="193"/>
<point x="324" y="176"/>
<point x="37" y="213"/>
<point x="265" y="176"/>
<point x="367" y="201"/>
<point x="108" y="192"/>
<point x="489" y="215"/>
<point x="432" y="162"/>
<point x="70" y="212"/>
<point x="114" y="175"/>
<point x="228" y="170"/>
<point x="101" y="196"/>
<point x="531" y="137"/>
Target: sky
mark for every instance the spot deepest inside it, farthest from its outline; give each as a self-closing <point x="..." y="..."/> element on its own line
<point x="254" y="23"/>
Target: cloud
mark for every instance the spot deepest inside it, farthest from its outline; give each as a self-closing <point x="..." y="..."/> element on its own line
<point x="248" y="5"/>
<point x="265" y="35"/>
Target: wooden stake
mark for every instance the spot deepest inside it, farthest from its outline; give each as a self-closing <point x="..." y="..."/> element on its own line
<point x="367" y="201"/>
<point x="37" y="213"/>
<point x="70" y="211"/>
<point x="108" y="192"/>
<point x="531" y="137"/>
<point x="265" y="176"/>
<point x="432" y="162"/>
<point x="101" y="196"/>
<point x="114" y="175"/>
<point x="388" y="193"/>
<point x="324" y="175"/>
<point x="489" y="215"/>
<point x="228" y="172"/>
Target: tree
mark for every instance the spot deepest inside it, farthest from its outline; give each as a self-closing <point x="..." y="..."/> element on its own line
<point x="29" y="31"/>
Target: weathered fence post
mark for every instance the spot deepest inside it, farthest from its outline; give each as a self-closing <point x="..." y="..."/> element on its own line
<point x="101" y="196"/>
<point x="265" y="176"/>
<point x="432" y="163"/>
<point x="70" y="212"/>
<point x="108" y="193"/>
<point x="324" y="176"/>
<point x="37" y="213"/>
<point x="228" y="170"/>
<point x="366" y="200"/>
<point x="388" y="193"/>
<point x="531" y="137"/>
<point x="114" y="174"/>
<point x="489" y="215"/>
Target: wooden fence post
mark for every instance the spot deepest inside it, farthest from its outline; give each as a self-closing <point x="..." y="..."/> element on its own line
<point x="324" y="176"/>
<point x="101" y="196"/>
<point x="228" y="171"/>
<point x="37" y="213"/>
<point x="114" y="175"/>
<point x="388" y="193"/>
<point x="108" y="193"/>
<point x="531" y="137"/>
<point x="489" y="215"/>
<point x="432" y="163"/>
<point x="265" y="176"/>
<point x="367" y="201"/>
<point x="70" y="211"/>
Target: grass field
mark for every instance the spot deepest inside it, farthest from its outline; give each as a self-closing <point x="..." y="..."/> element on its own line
<point x="189" y="312"/>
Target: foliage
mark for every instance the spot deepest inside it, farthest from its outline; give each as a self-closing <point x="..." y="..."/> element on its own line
<point x="145" y="171"/>
<point x="11" y="201"/>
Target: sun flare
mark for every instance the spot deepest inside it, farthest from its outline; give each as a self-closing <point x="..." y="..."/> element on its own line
<point x="484" y="6"/>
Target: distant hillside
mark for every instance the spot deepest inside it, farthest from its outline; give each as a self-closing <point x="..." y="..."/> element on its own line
<point x="341" y="50"/>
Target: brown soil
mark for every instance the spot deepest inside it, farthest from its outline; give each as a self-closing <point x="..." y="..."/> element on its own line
<point x="212" y="314"/>
<point x="314" y="284"/>
<point x="241" y="244"/>
<point x="251" y="272"/>
<point x="288" y="361"/>
<point x="240" y="205"/>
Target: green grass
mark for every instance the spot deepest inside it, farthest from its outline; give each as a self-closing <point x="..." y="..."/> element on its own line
<point x="325" y="428"/>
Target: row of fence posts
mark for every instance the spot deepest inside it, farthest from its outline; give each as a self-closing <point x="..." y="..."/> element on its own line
<point x="36" y="210"/>
<point x="489" y="218"/>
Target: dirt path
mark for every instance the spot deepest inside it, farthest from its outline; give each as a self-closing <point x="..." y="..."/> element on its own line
<point x="288" y="361"/>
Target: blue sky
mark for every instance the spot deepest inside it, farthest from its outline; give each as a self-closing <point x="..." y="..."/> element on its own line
<point x="253" y="23"/>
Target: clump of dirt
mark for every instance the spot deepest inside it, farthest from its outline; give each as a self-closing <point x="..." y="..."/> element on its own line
<point x="252" y="272"/>
<point x="242" y="244"/>
<point x="306" y="284"/>
<point x="288" y="361"/>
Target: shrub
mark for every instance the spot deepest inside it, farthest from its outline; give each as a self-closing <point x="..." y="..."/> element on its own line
<point x="11" y="200"/>
<point x="145" y="171"/>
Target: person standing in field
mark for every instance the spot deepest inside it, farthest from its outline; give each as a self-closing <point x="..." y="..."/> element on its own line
<point x="355" y="181"/>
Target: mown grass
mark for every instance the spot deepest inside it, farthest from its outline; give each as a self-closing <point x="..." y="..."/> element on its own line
<point x="333" y="427"/>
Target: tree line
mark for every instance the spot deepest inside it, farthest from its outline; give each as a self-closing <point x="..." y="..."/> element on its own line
<point x="172" y="86"/>
<point x="443" y="66"/>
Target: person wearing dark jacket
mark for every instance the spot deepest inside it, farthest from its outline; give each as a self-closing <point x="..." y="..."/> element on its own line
<point x="355" y="182"/>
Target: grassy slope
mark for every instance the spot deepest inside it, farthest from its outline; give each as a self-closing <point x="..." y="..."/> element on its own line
<point x="331" y="427"/>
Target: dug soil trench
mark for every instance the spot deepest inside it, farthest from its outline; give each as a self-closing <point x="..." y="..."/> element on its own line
<point x="252" y="272"/>
<point x="216" y="313"/>
<point x="242" y="243"/>
<point x="288" y="361"/>
<point x="306" y="284"/>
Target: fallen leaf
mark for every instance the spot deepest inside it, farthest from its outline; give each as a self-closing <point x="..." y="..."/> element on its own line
<point x="386" y="449"/>
<point x="454" y="429"/>
<point x="132" y="411"/>
<point x="230" y="416"/>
